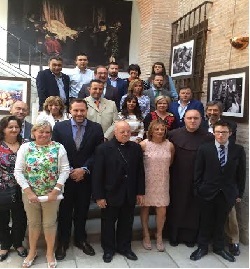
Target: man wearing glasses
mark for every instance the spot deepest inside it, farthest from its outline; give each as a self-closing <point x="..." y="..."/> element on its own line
<point x="109" y="92"/>
<point x="214" y="110"/>
<point x="219" y="182"/>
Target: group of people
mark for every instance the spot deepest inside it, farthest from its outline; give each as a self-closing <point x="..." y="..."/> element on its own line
<point x="120" y="143"/>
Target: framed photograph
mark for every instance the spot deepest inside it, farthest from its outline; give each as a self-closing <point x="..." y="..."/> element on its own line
<point x="13" y="89"/>
<point x="231" y="88"/>
<point x="182" y="59"/>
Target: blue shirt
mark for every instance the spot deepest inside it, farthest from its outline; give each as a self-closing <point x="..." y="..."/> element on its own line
<point x="218" y="150"/>
<point x="60" y="85"/>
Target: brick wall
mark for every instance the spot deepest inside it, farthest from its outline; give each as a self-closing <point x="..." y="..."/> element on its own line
<point x="155" y="39"/>
<point x="226" y="19"/>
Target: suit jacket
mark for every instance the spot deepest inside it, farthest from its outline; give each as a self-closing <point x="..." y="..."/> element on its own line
<point x="193" y="104"/>
<point x="232" y="124"/>
<point x="150" y="94"/>
<point x="110" y="94"/>
<point x="47" y="86"/>
<point x="105" y="115"/>
<point x="27" y="130"/>
<point x="93" y="136"/>
<point x="210" y="177"/>
<point x="113" y="179"/>
<point x="121" y="86"/>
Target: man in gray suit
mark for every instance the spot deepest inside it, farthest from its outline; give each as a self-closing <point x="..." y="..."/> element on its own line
<point x="20" y="110"/>
<point x="156" y="90"/>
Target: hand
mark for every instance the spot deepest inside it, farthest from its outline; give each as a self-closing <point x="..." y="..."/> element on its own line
<point x="77" y="174"/>
<point x="101" y="203"/>
<point x="140" y="200"/>
<point x="32" y="197"/>
<point x="52" y="196"/>
<point x="238" y="200"/>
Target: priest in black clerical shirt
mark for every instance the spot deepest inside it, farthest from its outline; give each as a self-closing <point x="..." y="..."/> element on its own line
<point x="118" y="183"/>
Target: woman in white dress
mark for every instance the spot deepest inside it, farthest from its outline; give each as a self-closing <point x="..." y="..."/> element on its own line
<point x="131" y="113"/>
<point x="53" y="111"/>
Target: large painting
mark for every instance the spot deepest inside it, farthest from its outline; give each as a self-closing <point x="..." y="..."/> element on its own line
<point x="100" y="28"/>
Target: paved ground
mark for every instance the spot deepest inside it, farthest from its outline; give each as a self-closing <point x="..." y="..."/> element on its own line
<point x="173" y="257"/>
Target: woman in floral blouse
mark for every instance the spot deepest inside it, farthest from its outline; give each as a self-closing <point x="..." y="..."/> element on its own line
<point x="41" y="169"/>
<point x="136" y="88"/>
<point x="10" y="141"/>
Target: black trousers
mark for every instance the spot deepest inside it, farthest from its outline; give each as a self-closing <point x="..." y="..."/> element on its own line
<point x="213" y="217"/>
<point x="74" y="206"/>
<point x="116" y="228"/>
<point x="14" y="235"/>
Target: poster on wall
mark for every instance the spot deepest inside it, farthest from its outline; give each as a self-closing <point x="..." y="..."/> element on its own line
<point x="230" y="87"/>
<point x="100" y="28"/>
<point x="182" y="59"/>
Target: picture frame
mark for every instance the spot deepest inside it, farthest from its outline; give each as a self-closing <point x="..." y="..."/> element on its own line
<point x="13" y="89"/>
<point x="231" y="88"/>
<point x="182" y="59"/>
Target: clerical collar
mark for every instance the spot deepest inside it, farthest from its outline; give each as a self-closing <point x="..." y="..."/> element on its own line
<point x="119" y="143"/>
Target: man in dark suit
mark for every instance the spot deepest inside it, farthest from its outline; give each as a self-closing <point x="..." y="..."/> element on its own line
<point x="186" y="102"/>
<point x="109" y="92"/>
<point x="118" y="181"/>
<point x="214" y="110"/>
<point x="52" y="82"/>
<point x="115" y="81"/>
<point x="219" y="182"/>
<point x="156" y="90"/>
<point x="20" y="110"/>
<point x="80" y="137"/>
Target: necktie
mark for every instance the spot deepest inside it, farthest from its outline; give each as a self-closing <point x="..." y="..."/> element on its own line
<point x="78" y="137"/>
<point x="222" y="155"/>
<point x="97" y="102"/>
<point x="157" y="93"/>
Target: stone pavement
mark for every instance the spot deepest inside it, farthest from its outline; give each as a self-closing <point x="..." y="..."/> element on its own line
<point x="173" y="257"/>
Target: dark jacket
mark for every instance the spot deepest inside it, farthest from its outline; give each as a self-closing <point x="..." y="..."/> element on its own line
<point x="47" y="86"/>
<point x="210" y="177"/>
<point x="113" y="178"/>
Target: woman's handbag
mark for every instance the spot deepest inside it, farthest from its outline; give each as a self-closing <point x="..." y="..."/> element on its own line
<point x="8" y="196"/>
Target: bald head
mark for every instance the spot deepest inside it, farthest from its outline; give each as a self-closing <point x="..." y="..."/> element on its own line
<point x="19" y="109"/>
<point x="122" y="131"/>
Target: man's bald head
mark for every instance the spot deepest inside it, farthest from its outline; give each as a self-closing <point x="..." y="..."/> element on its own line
<point x="19" y="109"/>
<point x="122" y="131"/>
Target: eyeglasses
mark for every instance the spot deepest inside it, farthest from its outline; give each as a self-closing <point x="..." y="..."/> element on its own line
<point x="222" y="132"/>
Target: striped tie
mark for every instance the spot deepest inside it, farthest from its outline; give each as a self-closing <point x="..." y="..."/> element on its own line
<point x="222" y="155"/>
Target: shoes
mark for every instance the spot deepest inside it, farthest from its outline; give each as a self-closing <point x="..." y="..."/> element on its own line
<point x="107" y="257"/>
<point x="4" y="256"/>
<point x="22" y="253"/>
<point x="129" y="254"/>
<point x="160" y="246"/>
<point x="60" y="252"/>
<point x="225" y="255"/>
<point x="146" y="245"/>
<point x="86" y="248"/>
<point x="173" y="243"/>
<point x="234" y="249"/>
<point x="190" y="244"/>
<point x="28" y="263"/>
<point x="52" y="264"/>
<point x="198" y="254"/>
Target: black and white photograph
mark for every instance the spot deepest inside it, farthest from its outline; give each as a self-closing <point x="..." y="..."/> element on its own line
<point x="182" y="59"/>
<point x="66" y="27"/>
<point x="230" y="89"/>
